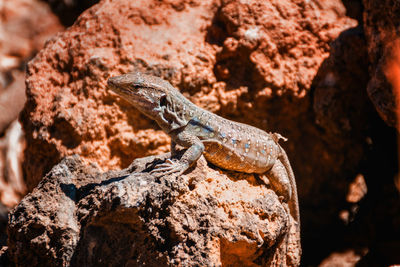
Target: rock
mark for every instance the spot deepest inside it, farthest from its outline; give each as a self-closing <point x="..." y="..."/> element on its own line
<point x="12" y="99"/>
<point x="12" y="186"/>
<point x="249" y="61"/>
<point x="348" y="258"/>
<point x="3" y="231"/>
<point x="79" y="216"/>
<point x="357" y="190"/>
<point x="381" y="23"/>
<point x="341" y="102"/>
<point x="245" y="69"/>
<point x="24" y="27"/>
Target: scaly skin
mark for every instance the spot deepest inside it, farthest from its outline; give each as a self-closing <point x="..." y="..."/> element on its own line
<point x="227" y="144"/>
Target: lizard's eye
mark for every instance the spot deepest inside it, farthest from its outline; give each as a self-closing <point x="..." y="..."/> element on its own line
<point x="163" y="101"/>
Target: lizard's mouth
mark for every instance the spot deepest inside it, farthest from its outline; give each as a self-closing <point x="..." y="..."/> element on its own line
<point x="113" y="84"/>
<point x="116" y="86"/>
<point x="136" y="94"/>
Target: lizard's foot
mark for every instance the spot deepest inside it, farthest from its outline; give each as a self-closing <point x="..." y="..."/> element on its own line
<point x="169" y="167"/>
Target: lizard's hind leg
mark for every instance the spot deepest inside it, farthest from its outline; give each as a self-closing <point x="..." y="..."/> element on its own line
<point x="280" y="181"/>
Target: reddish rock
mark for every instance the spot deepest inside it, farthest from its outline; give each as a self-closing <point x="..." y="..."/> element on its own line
<point x="381" y="23"/>
<point x="378" y="216"/>
<point x="78" y="216"/>
<point x="24" y="27"/>
<point x="259" y="62"/>
<point x="348" y="258"/>
<point x="357" y="190"/>
<point x="260" y="56"/>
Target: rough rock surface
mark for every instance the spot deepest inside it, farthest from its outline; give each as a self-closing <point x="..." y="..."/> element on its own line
<point x="250" y="61"/>
<point x="381" y="24"/>
<point x="78" y="216"/>
<point x="264" y="63"/>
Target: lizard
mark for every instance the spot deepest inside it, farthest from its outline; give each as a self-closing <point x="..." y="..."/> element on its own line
<point x="227" y="144"/>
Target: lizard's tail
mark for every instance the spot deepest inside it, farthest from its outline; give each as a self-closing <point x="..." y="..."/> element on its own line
<point x="294" y="203"/>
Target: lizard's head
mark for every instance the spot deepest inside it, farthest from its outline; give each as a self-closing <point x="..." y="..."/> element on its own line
<point x="145" y="92"/>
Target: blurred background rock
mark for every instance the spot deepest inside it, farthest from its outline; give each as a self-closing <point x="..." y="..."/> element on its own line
<point x="25" y="25"/>
<point x="343" y="117"/>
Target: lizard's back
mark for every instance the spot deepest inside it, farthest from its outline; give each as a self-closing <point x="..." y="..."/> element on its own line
<point x="233" y="145"/>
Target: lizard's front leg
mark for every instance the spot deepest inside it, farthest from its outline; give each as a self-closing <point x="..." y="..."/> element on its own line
<point x="192" y="154"/>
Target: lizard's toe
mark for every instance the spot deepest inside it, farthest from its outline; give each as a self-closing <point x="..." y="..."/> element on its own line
<point x="169" y="167"/>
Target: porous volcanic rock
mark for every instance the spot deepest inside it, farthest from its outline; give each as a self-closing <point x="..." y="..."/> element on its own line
<point x="250" y="61"/>
<point x="79" y="216"/>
